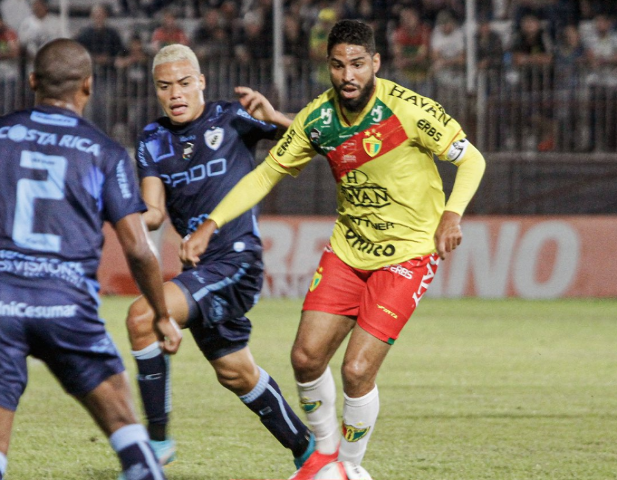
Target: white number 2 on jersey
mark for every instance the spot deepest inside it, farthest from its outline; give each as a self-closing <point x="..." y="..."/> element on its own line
<point x="28" y="191"/>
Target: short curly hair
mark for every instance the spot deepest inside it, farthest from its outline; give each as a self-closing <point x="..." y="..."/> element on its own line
<point x="353" y="32"/>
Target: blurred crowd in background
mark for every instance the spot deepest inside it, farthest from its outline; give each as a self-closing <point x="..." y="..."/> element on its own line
<point x="547" y="64"/>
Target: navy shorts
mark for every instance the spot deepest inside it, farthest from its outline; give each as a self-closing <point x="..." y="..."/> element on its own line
<point x="54" y="328"/>
<point x="219" y="294"/>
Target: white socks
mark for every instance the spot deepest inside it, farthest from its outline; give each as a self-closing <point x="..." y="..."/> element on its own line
<point x="318" y="400"/>
<point x="359" y="417"/>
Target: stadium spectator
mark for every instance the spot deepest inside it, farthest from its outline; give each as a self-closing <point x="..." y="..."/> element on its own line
<point x="9" y="67"/>
<point x="489" y="46"/>
<point x="133" y="76"/>
<point x="378" y="258"/>
<point x="318" y="43"/>
<point x="254" y="42"/>
<point x="448" y="51"/>
<point x="601" y="45"/>
<point x="572" y="110"/>
<point x="77" y="189"/>
<point x="532" y="61"/>
<point x="14" y="12"/>
<point x="410" y="47"/>
<point x="210" y="39"/>
<point x="101" y="40"/>
<point x="168" y="33"/>
<point x="39" y="28"/>
<point x="432" y="8"/>
<point x="104" y="44"/>
<point x="187" y="161"/>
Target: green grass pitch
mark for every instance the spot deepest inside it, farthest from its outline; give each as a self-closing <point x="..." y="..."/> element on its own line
<point x="473" y="389"/>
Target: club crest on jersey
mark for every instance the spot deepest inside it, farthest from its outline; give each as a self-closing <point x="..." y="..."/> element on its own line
<point x="309" y="406"/>
<point x="353" y="434"/>
<point x="316" y="279"/>
<point x="214" y="138"/>
<point x="187" y="150"/>
<point x="372" y="143"/>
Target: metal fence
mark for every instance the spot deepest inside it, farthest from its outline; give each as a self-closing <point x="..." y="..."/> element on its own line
<point x="549" y="134"/>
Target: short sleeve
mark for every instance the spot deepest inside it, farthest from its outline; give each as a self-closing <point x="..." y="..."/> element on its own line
<point x="250" y="128"/>
<point x="121" y="195"/>
<point x="294" y="151"/>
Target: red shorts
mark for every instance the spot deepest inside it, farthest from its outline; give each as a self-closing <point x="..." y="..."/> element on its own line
<point x="381" y="300"/>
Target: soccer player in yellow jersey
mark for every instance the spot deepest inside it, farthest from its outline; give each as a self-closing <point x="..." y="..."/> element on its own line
<point x="393" y="228"/>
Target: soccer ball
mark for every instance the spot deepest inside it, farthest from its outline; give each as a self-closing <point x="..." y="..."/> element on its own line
<point x="342" y="471"/>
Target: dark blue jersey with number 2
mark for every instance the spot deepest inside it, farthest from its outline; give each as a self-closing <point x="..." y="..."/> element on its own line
<point x="199" y="163"/>
<point x="60" y="178"/>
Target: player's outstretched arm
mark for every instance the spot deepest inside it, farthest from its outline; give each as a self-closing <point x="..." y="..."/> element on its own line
<point x="247" y="193"/>
<point x="260" y="107"/>
<point x="146" y="271"/>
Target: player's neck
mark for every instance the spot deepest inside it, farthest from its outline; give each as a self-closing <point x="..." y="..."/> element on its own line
<point x="54" y="102"/>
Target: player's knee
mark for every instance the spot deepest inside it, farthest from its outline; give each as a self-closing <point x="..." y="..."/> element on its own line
<point x="139" y="319"/>
<point x="355" y="373"/>
<point x="238" y="381"/>
<point x="306" y="365"/>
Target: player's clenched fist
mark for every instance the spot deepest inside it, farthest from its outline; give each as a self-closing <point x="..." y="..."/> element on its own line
<point x="195" y="244"/>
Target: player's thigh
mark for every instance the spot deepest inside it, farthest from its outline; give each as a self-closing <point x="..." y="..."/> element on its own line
<point x="111" y="404"/>
<point x="392" y="295"/>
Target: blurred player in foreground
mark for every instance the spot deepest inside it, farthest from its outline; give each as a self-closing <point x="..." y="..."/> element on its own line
<point x="392" y="229"/>
<point x="61" y="178"/>
<point x="188" y="161"/>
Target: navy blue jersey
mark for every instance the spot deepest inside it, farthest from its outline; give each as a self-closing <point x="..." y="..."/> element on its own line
<point x="60" y="178"/>
<point x="199" y="164"/>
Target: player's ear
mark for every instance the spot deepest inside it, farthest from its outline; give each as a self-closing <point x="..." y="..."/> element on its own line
<point x="33" y="82"/>
<point x="86" y="86"/>
<point x="202" y="81"/>
<point x="376" y="62"/>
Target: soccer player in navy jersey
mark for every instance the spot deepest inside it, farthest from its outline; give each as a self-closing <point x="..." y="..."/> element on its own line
<point x="187" y="162"/>
<point x="61" y="178"/>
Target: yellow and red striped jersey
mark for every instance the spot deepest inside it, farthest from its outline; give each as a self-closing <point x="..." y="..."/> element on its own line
<point x="389" y="193"/>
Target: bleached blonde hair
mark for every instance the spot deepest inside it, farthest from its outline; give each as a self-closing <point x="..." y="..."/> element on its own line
<point x="175" y="53"/>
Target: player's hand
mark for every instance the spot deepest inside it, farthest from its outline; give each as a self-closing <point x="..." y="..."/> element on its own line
<point x="194" y="245"/>
<point x="449" y="234"/>
<point x="256" y="104"/>
<point x="168" y="333"/>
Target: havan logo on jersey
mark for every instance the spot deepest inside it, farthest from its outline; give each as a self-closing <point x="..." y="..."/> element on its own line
<point x="214" y="137"/>
<point x="359" y="192"/>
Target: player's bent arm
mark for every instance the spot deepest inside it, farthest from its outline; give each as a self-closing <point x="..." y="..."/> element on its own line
<point x="146" y="271"/>
<point x="468" y="176"/>
<point x="153" y="193"/>
<point x="259" y="107"/>
<point x="247" y="193"/>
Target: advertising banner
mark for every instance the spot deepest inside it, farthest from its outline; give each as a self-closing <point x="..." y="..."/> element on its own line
<point x="509" y="256"/>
